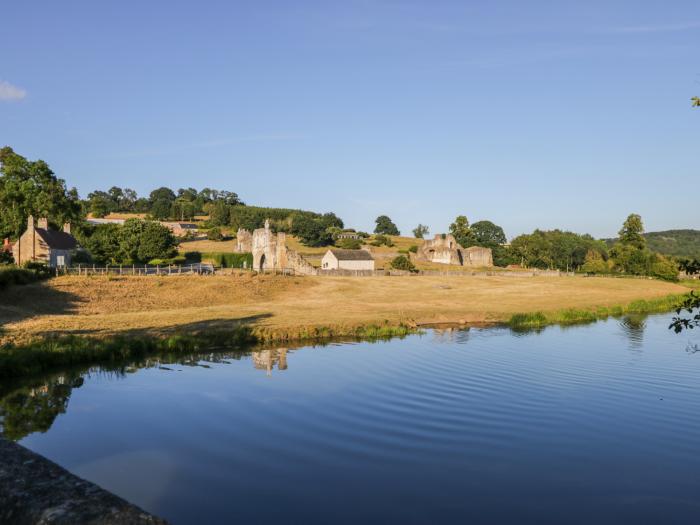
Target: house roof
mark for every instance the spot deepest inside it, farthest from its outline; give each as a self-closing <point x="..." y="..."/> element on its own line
<point x="57" y="240"/>
<point x="352" y="255"/>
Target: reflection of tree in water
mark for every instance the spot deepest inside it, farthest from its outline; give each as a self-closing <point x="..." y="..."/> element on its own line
<point x="633" y="327"/>
<point x="34" y="409"/>
<point x="35" y="406"/>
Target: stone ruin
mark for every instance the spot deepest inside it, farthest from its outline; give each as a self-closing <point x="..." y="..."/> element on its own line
<point x="270" y="251"/>
<point x="444" y="249"/>
<point x="244" y="241"/>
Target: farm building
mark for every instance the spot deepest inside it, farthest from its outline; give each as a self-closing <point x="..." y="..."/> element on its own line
<point x="180" y="229"/>
<point x="40" y="244"/>
<point x="104" y="220"/>
<point x="347" y="260"/>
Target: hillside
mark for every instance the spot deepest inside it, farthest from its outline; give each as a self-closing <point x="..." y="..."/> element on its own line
<point x="681" y="243"/>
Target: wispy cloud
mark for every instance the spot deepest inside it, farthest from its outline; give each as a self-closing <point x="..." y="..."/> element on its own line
<point x="10" y="92"/>
<point x="656" y="28"/>
<point x="214" y="143"/>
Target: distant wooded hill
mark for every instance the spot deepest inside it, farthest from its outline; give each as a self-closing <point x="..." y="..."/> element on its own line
<point x="680" y="243"/>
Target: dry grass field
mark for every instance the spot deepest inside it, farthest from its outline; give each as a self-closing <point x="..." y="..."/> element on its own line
<point x="277" y="304"/>
<point x="205" y="246"/>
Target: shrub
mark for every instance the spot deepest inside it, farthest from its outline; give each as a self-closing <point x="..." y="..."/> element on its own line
<point x="594" y="263"/>
<point x="413" y="248"/>
<point x="664" y="268"/>
<point x="403" y="263"/>
<point x="193" y="257"/>
<point x="349" y="244"/>
<point x="178" y="260"/>
<point x="6" y="257"/>
<point x="382" y="240"/>
<point x="32" y="272"/>
<point x="80" y="257"/>
<point x="214" y="234"/>
<point x="230" y="260"/>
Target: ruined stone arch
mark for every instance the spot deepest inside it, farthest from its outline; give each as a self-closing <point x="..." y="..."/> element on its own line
<point x="259" y="264"/>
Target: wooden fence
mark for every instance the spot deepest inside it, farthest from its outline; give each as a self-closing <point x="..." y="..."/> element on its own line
<point x="171" y="269"/>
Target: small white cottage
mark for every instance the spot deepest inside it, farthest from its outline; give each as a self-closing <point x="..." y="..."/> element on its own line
<point x="347" y="260"/>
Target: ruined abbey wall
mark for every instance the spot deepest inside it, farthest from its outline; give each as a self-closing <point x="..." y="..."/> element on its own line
<point x="444" y="249"/>
<point x="270" y="252"/>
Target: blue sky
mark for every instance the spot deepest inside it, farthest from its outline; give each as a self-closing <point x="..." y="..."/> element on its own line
<point x="531" y="114"/>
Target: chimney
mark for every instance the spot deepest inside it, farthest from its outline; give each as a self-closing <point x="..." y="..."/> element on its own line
<point x="66" y="228"/>
<point x="43" y="223"/>
<point x="30" y="222"/>
<point x="6" y="245"/>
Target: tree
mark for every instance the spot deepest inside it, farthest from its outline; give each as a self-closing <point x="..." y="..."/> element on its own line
<point x="552" y="249"/>
<point x="102" y="242"/>
<point x="219" y="214"/>
<point x="31" y="188"/>
<point x="183" y="209"/>
<point x="488" y="234"/>
<point x="141" y="241"/>
<point x="693" y="300"/>
<point x="420" y="231"/>
<point x="631" y="232"/>
<point x="385" y="226"/>
<point x="311" y="231"/>
<point x="160" y="209"/>
<point x="690" y="304"/>
<point x="99" y="206"/>
<point x="162" y="193"/>
<point x="594" y="263"/>
<point x="462" y="232"/>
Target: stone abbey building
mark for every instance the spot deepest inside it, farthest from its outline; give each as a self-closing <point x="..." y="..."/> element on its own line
<point x="444" y="249"/>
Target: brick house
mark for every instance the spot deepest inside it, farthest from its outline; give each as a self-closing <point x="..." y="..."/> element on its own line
<point x="39" y="243"/>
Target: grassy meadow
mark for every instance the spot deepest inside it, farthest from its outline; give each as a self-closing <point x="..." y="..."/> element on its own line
<point x="279" y="308"/>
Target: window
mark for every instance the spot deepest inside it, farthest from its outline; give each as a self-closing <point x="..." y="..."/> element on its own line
<point x="60" y="260"/>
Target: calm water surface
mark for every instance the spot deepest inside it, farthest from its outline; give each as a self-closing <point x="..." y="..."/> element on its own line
<point x="592" y="424"/>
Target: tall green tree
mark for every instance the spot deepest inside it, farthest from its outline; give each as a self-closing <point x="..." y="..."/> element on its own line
<point x="420" y="231"/>
<point x="141" y="241"/>
<point x="631" y="233"/>
<point x="31" y="188"/>
<point x="385" y="226"/>
<point x="462" y="232"/>
<point x="488" y="234"/>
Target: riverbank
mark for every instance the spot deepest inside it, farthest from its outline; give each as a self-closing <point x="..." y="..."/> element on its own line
<point x="70" y="320"/>
<point x="278" y="307"/>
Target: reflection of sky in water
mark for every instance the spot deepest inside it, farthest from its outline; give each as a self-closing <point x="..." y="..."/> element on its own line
<point x="452" y="426"/>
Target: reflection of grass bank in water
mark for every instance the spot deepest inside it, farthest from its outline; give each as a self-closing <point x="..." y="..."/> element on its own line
<point x="571" y="316"/>
<point x="49" y="353"/>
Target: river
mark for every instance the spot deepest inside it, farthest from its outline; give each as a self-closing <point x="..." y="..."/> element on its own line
<point x="588" y="424"/>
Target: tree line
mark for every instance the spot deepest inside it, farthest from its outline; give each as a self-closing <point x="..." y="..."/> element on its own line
<point x="30" y="187"/>
<point x="162" y="203"/>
